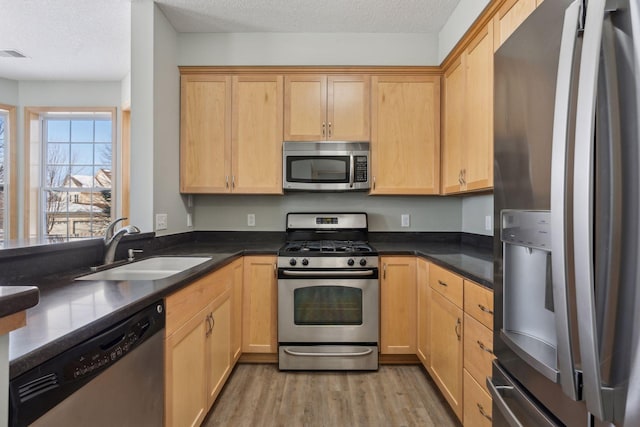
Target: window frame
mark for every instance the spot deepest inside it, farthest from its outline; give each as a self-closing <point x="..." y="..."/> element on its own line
<point x="11" y="178"/>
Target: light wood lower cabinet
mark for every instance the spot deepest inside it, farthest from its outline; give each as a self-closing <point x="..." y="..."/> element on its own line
<point x="424" y="322"/>
<point x="198" y="356"/>
<point x="236" y="270"/>
<point x="477" y="404"/>
<point x="260" y="305"/>
<point x="398" y="307"/>
<point x="446" y="349"/>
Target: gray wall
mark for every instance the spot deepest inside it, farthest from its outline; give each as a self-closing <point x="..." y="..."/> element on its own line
<point x="428" y="213"/>
<point x="475" y="209"/>
<point x="8" y="91"/>
<point x="460" y="20"/>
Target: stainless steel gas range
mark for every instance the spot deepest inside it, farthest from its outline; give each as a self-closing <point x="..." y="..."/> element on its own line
<point x="328" y="294"/>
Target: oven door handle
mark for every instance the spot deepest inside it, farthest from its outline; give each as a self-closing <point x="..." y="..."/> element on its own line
<point x="351" y="171"/>
<point x="333" y="273"/>
<point x="334" y="354"/>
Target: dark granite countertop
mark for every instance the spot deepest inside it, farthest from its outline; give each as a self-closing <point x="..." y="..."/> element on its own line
<point x="14" y="299"/>
<point x="71" y="311"/>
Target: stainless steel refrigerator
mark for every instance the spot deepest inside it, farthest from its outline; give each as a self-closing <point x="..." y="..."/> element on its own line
<point x="567" y="207"/>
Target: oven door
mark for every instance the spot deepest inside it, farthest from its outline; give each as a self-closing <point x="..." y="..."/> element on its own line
<point x="327" y="310"/>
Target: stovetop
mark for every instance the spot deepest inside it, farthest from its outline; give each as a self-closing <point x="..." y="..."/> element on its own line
<point x="313" y="247"/>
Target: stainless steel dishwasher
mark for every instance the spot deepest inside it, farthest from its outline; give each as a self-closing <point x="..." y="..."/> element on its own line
<point x="113" y="378"/>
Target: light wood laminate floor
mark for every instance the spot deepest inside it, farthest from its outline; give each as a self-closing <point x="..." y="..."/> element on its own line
<point x="395" y="395"/>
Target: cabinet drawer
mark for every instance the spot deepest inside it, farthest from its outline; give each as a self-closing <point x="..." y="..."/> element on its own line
<point x="447" y="283"/>
<point x="187" y="302"/>
<point x="478" y="349"/>
<point x="478" y="302"/>
<point x="477" y="404"/>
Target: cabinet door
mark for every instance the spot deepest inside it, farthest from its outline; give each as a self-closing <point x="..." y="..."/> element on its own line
<point x="398" y="305"/>
<point x="453" y="127"/>
<point x="218" y="345"/>
<point x="205" y="133"/>
<point x="446" y="350"/>
<point x="478" y="350"/>
<point x="185" y="363"/>
<point x="511" y="14"/>
<point x="236" y="325"/>
<point x="477" y="172"/>
<point x="305" y="107"/>
<point x="424" y="298"/>
<point x="257" y="134"/>
<point x="259" y="308"/>
<point x="348" y="108"/>
<point x="405" y="134"/>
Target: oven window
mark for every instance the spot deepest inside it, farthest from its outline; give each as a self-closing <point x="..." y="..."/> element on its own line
<point x="331" y="169"/>
<point x="327" y="305"/>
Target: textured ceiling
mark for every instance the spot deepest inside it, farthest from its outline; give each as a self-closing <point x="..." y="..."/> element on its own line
<point x="90" y="39"/>
<point x="308" y="16"/>
<point x="66" y="39"/>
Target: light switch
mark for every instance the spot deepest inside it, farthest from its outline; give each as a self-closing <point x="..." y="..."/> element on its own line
<point x="251" y="220"/>
<point x="405" y="220"/>
<point x="161" y="221"/>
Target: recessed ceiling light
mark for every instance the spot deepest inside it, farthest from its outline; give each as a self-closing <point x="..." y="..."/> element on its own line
<point x="11" y="53"/>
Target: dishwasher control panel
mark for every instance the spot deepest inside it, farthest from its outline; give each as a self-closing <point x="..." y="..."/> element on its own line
<point x="38" y="390"/>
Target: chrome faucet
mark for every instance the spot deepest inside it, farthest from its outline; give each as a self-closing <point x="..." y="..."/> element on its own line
<point x="111" y="238"/>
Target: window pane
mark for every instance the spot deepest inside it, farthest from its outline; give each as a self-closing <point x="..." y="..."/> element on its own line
<point x="58" y="130"/>
<point x="103" y="154"/>
<point x="58" y="154"/>
<point x="82" y="177"/>
<point x="103" y="130"/>
<point x="82" y="154"/>
<point x="56" y="176"/>
<point x="102" y="177"/>
<point x="82" y="131"/>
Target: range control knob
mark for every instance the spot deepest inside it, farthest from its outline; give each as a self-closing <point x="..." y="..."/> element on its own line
<point x="363" y="262"/>
<point x="305" y="261"/>
<point x="292" y="262"/>
<point x="351" y="262"/>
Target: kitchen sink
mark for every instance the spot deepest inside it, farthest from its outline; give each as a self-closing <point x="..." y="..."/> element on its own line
<point x="154" y="268"/>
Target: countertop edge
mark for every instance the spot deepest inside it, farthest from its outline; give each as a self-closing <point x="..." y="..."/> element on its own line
<point x="14" y="299"/>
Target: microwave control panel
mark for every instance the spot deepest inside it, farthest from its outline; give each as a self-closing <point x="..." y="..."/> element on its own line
<point x="361" y="168"/>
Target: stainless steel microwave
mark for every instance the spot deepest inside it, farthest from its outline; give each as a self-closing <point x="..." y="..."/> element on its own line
<point x="326" y="166"/>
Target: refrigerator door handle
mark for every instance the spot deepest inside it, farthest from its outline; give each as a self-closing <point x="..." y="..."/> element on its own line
<point x="559" y="204"/>
<point x="598" y="398"/>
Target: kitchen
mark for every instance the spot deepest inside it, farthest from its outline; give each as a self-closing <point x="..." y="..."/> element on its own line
<point x="156" y="169"/>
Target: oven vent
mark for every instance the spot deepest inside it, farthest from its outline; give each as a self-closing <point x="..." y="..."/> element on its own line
<point x="11" y="53"/>
<point x="37" y="387"/>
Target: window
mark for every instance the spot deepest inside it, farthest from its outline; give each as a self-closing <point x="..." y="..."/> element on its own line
<point x="76" y="176"/>
<point x="4" y="138"/>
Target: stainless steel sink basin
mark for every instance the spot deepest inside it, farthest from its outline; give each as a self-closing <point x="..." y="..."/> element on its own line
<point x="154" y="268"/>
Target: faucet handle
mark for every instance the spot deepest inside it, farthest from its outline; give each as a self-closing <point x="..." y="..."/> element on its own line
<point x="108" y="233"/>
<point x="132" y="253"/>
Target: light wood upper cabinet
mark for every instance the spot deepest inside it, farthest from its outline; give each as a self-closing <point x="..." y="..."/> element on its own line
<point x="231" y="134"/>
<point x="205" y="133"/>
<point x="468" y="123"/>
<point x="256" y="136"/>
<point x="321" y="107"/>
<point x="398" y="308"/>
<point x="509" y="17"/>
<point x="260" y="305"/>
<point x="405" y="134"/>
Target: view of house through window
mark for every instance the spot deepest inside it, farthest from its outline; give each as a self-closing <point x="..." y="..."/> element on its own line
<point x="4" y="137"/>
<point x="76" y="176"/>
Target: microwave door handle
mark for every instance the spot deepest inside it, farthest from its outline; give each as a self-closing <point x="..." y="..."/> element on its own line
<point x="559" y="211"/>
<point x="351" y="171"/>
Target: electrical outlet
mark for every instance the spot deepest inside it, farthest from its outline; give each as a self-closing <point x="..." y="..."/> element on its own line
<point x="487" y="222"/>
<point x="251" y="220"/>
<point x="161" y="221"/>
<point x="405" y="220"/>
<point x="189" y="220"/>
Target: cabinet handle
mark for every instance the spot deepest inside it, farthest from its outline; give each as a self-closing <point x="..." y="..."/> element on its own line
<point x="213" y="322"/>
<point x="441" y="283"/>
<point x="209" y="326"/>
<point x="484" y="348"/>
<point x="324" y="126"/>
<point x="374" y="182"/>
<point x="464" y="176"/>
<point x="226" y="181"/>
<point x="483" y="413"/>
<point x="460" y="177"/>
<point x="275" y="270"/>
<point x="233" y="181"/>
<point x="458" y="327"/>
<point x="384" y="271"/>
<point x="485" y="309"/>
<point x="329" y="129"/>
